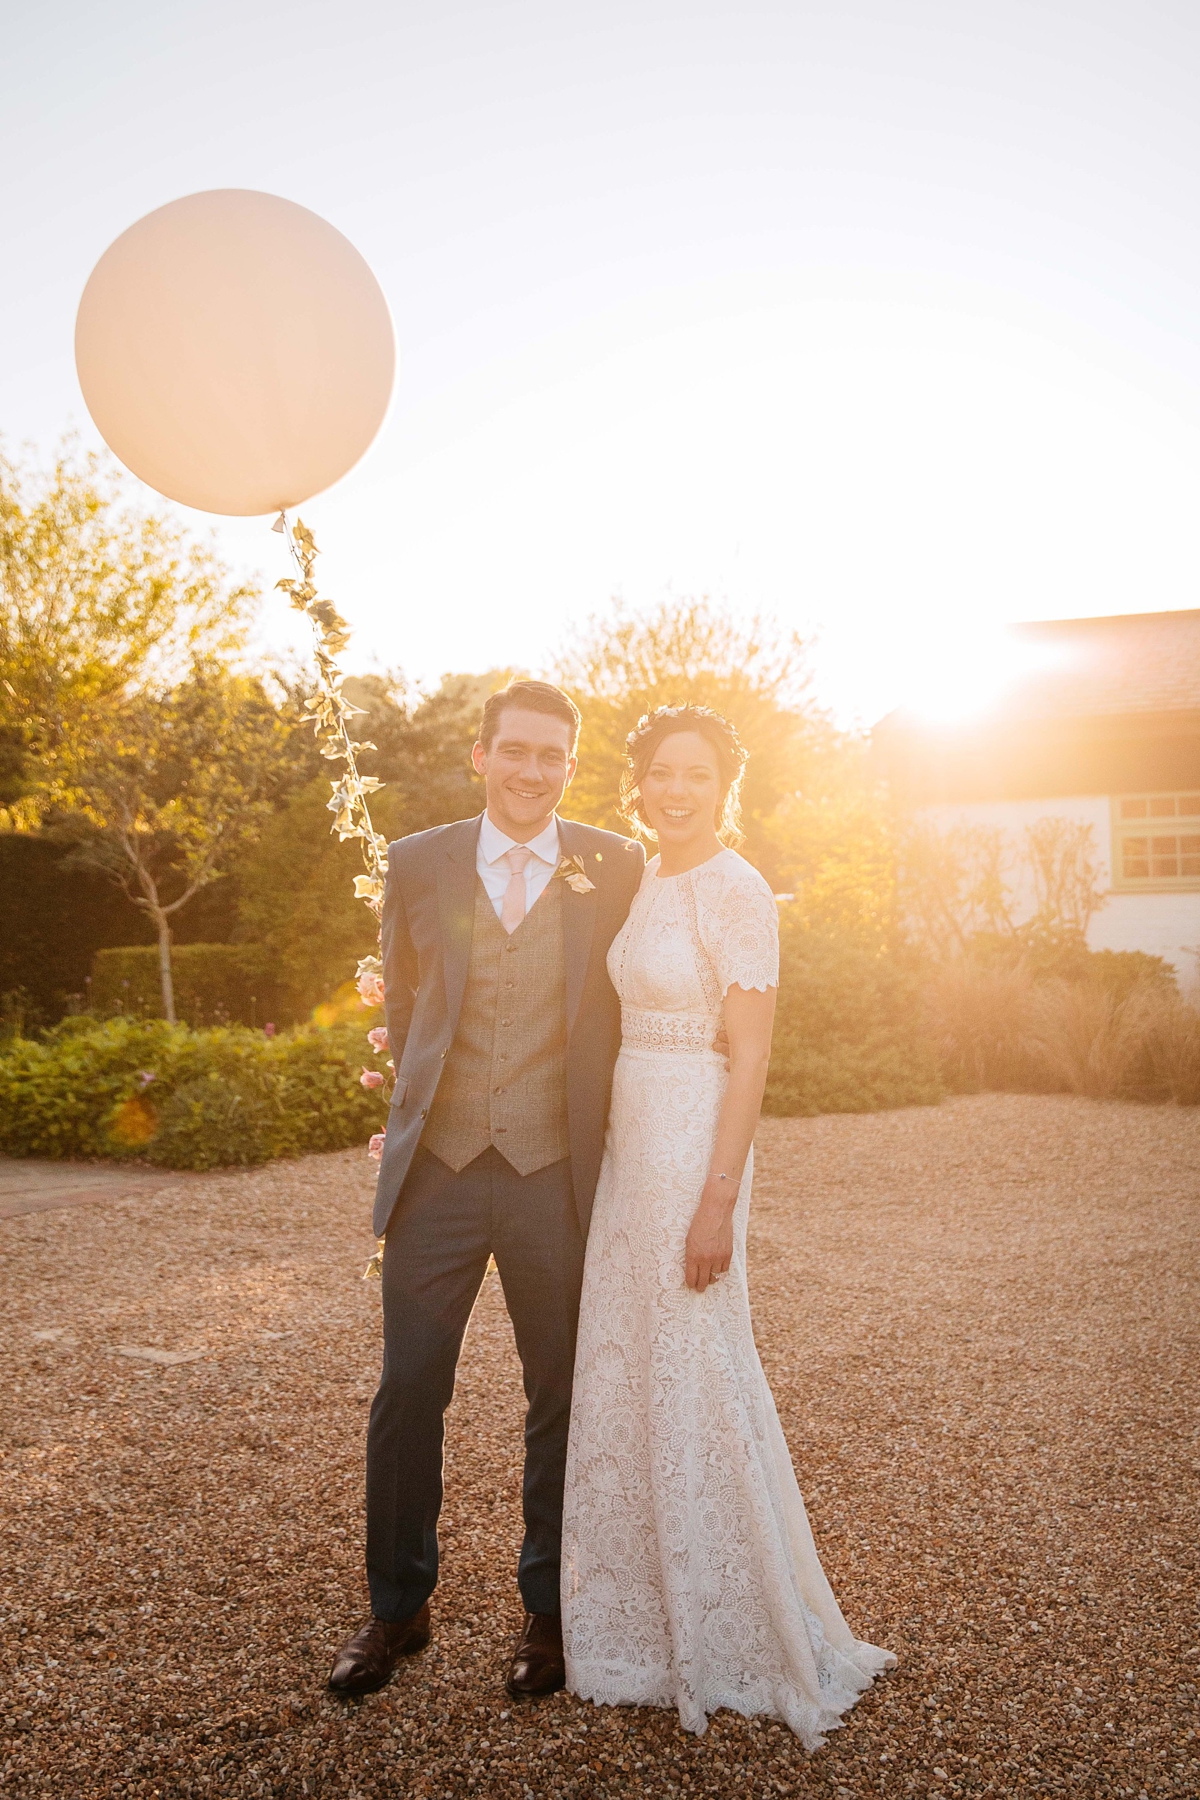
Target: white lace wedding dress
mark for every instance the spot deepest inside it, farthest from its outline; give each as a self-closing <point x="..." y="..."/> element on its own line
<point x="690" y="1577"/>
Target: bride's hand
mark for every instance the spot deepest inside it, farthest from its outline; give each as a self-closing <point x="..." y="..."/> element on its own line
<point x="709" y="1249"/>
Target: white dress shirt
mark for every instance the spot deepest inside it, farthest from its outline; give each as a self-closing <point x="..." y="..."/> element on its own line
<point x="496" y="875"/>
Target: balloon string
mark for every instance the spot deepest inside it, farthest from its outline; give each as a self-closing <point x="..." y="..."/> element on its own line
<point x="331" y="713"/>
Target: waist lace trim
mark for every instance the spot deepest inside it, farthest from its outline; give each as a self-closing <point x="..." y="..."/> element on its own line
<point x="642" y="1029"/>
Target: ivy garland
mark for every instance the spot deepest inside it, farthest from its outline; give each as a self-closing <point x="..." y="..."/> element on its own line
<point x="330" y="713"/>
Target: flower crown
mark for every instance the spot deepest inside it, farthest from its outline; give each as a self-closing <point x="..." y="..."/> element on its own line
<point x="689" y="709"/>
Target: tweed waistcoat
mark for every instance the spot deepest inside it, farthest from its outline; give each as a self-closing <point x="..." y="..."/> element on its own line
<point x="505" y="1080"/>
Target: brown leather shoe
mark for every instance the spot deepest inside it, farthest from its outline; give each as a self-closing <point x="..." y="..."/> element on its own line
<point x="368" y="1660"/>
<point x="537" y="1664"/>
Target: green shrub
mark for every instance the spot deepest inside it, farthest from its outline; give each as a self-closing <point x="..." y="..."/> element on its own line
<point x="215" y="984"/>
<point x="57" y="1094"/>
<point x="185" y="1099"/>
<point x="1048" y="954"/>
<point x="215" y="1121"/>
<point x="1117" y="1030"/>
<point x="1087" y="1042"/>
<point x="1173" y="1052"/>
<point x="324" y="1106"/>
<point x="1119" y="972"/>
<point x="849" y="1033"/>
<point x="979" y="1015"/>
<point x="1145" y="1046"/>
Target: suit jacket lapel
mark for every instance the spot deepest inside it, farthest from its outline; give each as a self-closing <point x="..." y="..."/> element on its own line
<point x="579" y="920"/>
<point x="456" y="878"/>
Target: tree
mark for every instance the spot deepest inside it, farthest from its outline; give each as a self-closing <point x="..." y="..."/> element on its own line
<point x="164" y="798"/>
<point x="423" y="742"/>
<point x="98" y="601"/>
<point x="835" y="851"/>
<point x="956" y="885"/>
<point x="309" y="920"/>
<point x="979" y="889"/>
<point x="121" y="724"/>
<point x="295" y="897"/>
<point x="625" y="664"/>
<point x="1065" y="873"/>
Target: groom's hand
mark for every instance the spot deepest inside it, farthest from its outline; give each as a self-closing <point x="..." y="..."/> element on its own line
<point x="709" y="1249"/>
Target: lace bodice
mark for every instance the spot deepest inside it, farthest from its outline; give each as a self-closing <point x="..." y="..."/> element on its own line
<point x="689" y="939"/>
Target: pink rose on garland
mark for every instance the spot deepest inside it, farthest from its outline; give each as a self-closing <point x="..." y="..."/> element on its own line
<point x="370" y="988"/>
<point x="375" y="1147"/>
<point x="378" y="1038"/>
<point x="372" y="1078"/>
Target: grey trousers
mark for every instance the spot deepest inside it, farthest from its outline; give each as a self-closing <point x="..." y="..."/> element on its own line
<point x="443" y="1229"/>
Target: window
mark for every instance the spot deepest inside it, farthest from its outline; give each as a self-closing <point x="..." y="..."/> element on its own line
<point x="1156" y="841"/>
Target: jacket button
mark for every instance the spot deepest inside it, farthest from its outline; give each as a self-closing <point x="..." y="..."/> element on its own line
<point x="497" y="1090"/>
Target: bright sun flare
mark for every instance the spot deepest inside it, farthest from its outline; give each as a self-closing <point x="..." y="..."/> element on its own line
<point x="960" y="673"/>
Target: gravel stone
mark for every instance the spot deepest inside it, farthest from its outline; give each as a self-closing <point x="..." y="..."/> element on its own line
<point x="980" y="1321"/>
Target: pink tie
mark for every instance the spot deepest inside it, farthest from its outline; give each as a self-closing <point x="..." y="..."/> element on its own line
<point x="513" y="909"/>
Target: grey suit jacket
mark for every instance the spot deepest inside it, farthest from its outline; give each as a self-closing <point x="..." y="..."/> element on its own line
<point x="428" y="913"/>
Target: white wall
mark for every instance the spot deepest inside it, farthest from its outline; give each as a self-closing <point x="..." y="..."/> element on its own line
<point x="1165" y="924"/>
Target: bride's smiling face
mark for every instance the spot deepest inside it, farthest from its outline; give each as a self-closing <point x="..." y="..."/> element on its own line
<point x="681" y="790"/>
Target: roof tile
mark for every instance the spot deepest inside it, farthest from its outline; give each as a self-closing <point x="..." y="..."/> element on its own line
<point x="1098" y="668"/>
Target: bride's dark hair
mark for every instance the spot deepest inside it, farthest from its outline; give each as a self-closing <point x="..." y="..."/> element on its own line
<point x="642" y="745"/>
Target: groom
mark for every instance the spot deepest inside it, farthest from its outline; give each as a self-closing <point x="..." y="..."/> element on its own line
<point x="504" y="1029"/>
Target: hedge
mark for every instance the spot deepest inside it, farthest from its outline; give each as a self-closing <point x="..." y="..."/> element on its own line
<point x="850" y="1037"/>
<point x="55" y="916"/>
<point x="215" y="984"/>
<point x="182" y="1098"/>
<point x="859" y="1028"/>
<point x="850" y="1029"/>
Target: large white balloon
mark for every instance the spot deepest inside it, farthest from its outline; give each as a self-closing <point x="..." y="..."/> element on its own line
<point x="235" y="351"/>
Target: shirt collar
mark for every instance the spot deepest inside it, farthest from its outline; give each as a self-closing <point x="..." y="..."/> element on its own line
<point x="494" y="844"/>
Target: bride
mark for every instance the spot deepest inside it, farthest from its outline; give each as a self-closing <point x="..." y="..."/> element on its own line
<point x="689" y="1574"/>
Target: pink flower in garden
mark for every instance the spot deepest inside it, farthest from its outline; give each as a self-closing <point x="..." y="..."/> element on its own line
<point x="145" y="1077"/>
<point x="372" y="1078"/>
<point x="375" y="1147"/>
<point x="268" y="1030"/>
<point x="377" y="1038"/>
<point x="370" y="989"/>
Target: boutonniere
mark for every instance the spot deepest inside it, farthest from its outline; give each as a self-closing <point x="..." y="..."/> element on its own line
<point x="571" y="870"/>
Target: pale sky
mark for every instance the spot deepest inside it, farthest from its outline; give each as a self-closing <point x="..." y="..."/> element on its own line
<point x="879" y="315"/>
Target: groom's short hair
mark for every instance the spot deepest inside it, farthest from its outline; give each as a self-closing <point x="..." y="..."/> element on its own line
<point x="530" y="696"/>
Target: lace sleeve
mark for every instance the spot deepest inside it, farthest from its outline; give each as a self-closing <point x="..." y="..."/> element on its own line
<point x="739" y="923"/>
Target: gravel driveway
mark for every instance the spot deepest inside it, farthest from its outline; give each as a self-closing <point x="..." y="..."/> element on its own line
<point x="980" y="1321"/>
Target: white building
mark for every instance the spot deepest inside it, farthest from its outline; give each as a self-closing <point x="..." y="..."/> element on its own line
<point x="1104" y="731"/>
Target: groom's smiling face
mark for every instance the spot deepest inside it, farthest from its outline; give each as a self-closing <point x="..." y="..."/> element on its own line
<point x="526" y="769"/>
